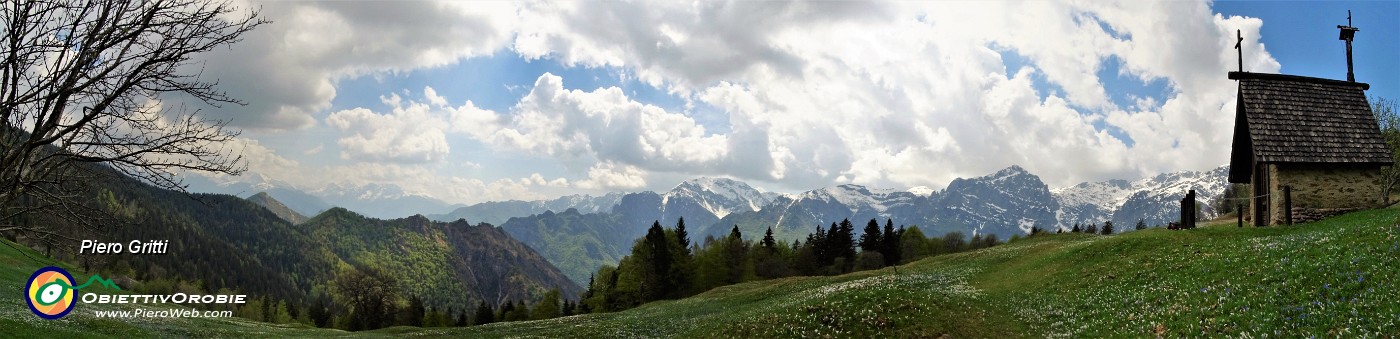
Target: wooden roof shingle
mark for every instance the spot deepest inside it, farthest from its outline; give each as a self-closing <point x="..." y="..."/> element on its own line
<point x="1295" y="119"/>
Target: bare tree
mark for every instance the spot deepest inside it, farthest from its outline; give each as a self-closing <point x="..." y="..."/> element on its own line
<point x="80" y="89"/>
<point x="1384" y="110"/>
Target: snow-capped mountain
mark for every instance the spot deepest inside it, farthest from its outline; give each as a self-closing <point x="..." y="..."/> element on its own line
<point x="1091" y="202"/>
<point x="718" y="196"/>
<point x="701" y="200"/>
<point x="1008" y="202"/>
<point x="847" y="199"/>
<point x="1155" y="200"/>
<point x="584" y="203"/>
<point x="1004" y="203"/>
<point x="794" y="215"/>
<point x="922" y="190"/>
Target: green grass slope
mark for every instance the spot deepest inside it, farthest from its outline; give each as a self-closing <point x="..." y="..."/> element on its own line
<point x="1332" y="278"/>
<point x="1337" y="277"/>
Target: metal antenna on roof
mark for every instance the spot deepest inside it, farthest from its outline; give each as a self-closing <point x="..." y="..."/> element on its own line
<point x="1348" y="32"/>
<point x="1239" y="39"/>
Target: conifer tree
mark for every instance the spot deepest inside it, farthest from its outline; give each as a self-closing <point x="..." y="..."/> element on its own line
<point x="890" y="243"/>
<point x="847" y="244"/>
<point x="1141" y="225"/>
<point x="736" y="253"/>
<point x="269" y="309"/>
<point x="484" y="314"/>
<point x="682" y="236"/>
<point x="587" y="295"/>
<point x="817" y="246"/>
<point x="1108" y="227"/>
<point x="769" y="243"/>
<point x="521" y="312"/>
<point x="657" y="275"/>
<point x="870" y="238"/>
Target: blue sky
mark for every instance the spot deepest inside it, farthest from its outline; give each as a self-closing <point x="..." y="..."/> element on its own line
<point x="1302" y="35"/>
<point x="476" y="101"/>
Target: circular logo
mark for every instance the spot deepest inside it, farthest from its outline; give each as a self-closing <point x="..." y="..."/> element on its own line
<point x="50" y="292"/>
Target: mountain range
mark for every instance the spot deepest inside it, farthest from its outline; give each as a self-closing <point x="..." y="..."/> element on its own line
<point x="580" y="232"/>
<point x="1005" y="203"/>
<point x="1155" y="200"/>
<point x="383" y="201"/>
<point x="261" y="247"/>
<point x="497" y="212"/>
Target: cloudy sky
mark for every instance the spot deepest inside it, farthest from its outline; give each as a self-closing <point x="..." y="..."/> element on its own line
<point x="477" y="101"/>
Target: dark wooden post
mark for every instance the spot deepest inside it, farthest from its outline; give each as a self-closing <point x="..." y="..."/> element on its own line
<point x="1188" y="210"/>
<point x="1288" y="205"/>
<point x="1191" y="203"/>
<point x="1348" y="33"/>
<point x="1181" y="216"/>
<point x="1239" y="212"/>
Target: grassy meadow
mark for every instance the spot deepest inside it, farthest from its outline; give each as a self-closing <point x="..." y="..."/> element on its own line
<point x="1336" y="277"/>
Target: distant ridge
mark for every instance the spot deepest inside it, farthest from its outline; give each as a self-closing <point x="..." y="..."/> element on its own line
<point x="1004" y="203"/>
<point x="251" y="246"/>
<point x="277" y="208"/>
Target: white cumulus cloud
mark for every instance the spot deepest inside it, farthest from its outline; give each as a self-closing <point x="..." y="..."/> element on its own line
<point x="407" y="134"/>
<point x="810" y="94"/>
<point x="287" y="70"/>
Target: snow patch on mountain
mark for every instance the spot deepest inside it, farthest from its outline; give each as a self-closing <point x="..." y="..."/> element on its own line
<point x="921" y="191"/>
<point x="719" y="196"/>
<point x="856" y="198"/>
<point x="1106" y="195"/>
<point x="1151" y="199"/>
<point x="1026" y="224"/>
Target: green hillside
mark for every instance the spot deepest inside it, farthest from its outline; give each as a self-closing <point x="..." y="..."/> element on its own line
<point x="448" y="264"/>
<point x="576" y="243"/>
<point x="220" y="242"/>
<point x="1337" y="277"/>
<point x="1334" y="278"/>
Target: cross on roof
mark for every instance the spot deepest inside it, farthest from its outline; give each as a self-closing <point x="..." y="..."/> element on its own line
<point x="1239" y="39"/>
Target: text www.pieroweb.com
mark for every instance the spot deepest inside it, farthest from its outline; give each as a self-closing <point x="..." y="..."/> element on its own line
<point x="164" y="313"/>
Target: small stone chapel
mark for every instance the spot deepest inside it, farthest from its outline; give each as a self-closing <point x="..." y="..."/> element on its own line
<point x="1312" y="138"/>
